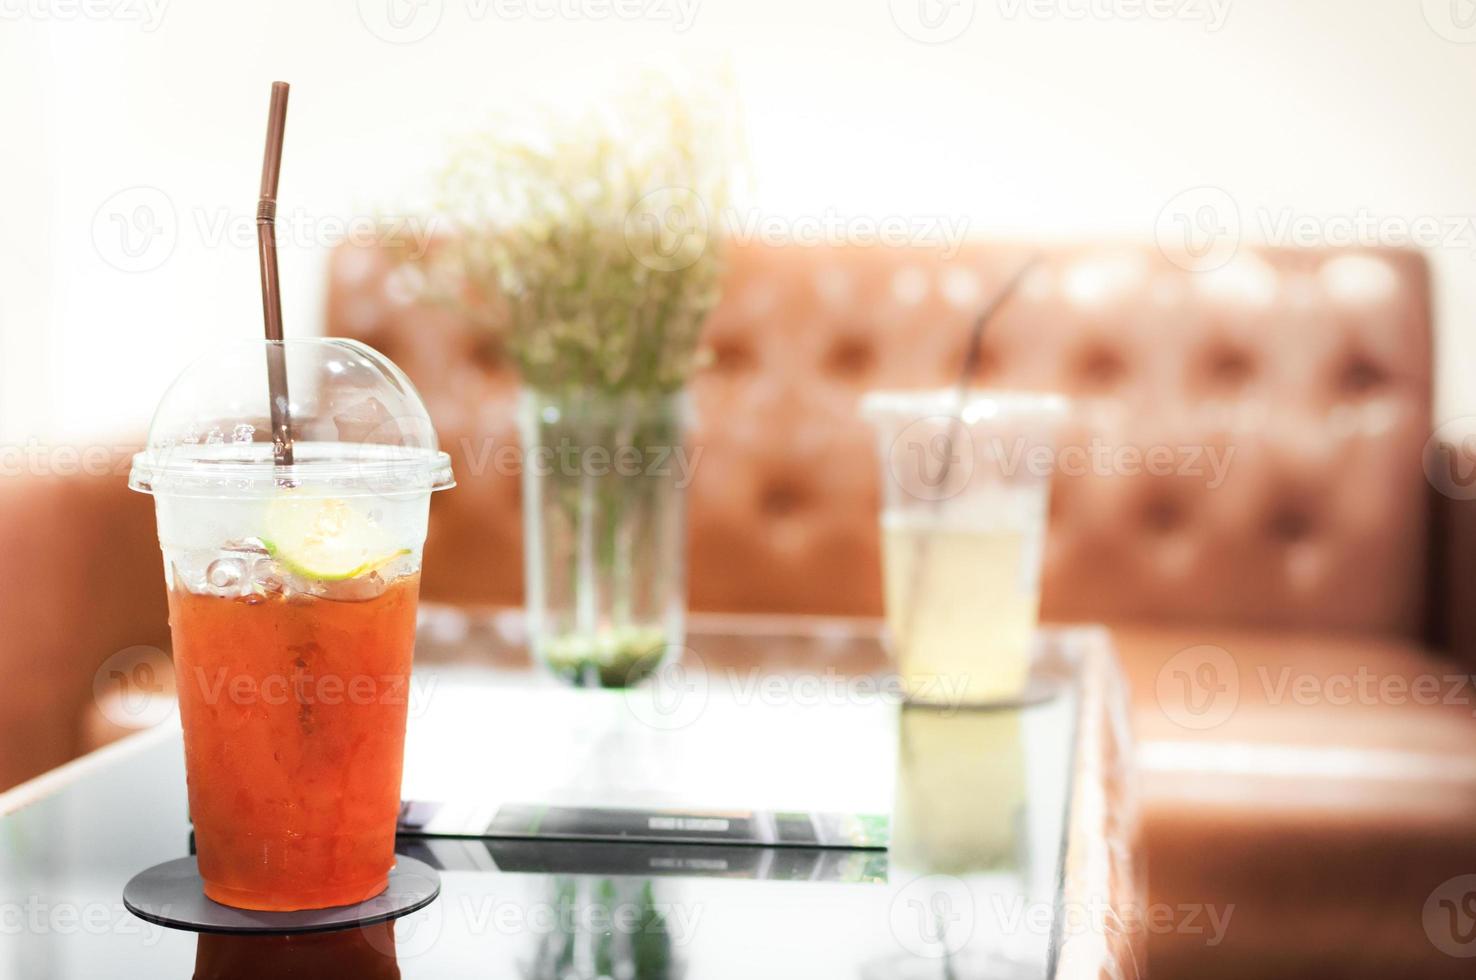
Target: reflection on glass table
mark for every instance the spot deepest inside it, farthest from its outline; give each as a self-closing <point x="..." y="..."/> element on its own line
<point x="990" y="837"/>
<point x="367" y="953"/>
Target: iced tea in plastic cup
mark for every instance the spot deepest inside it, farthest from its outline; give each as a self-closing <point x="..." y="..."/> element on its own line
<point x="292" y="599"/>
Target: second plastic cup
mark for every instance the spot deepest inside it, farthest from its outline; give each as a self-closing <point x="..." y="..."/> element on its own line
<point x="964" y="494"/>
<point x="292" y="600"/>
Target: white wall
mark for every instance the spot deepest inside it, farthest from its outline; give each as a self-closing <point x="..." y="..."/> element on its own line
<point x="1054" y="117"/>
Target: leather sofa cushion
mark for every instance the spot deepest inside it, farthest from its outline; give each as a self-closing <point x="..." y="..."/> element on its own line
<point x="1318" y="815"/>
<point x="82" y="580"/>
<point x="1313" y="366"/>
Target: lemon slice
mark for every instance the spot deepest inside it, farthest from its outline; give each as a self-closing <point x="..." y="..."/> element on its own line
<point x="326" y="538"/>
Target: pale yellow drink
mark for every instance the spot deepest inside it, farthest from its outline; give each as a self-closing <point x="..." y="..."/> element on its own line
<point x="961" y="607"/>
<point x="965" y="482"/>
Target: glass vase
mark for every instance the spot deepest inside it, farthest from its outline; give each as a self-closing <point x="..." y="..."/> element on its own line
<point x="604" y="532"/>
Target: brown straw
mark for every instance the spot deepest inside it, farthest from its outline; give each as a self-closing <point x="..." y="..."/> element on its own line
<point x="271" y="291"/>
<point x="975" y="350"/>
<point x="972" y="356"/>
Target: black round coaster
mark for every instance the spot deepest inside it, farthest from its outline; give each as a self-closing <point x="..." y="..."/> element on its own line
<point x="172" y="894"/>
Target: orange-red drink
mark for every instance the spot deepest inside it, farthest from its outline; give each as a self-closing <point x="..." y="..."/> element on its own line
<point x="294" y="709"/>
<point x="293" y="569"/>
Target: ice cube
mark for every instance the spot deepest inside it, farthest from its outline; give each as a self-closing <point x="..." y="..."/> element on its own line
<point x="358" y="589"/>
<point x="225" y="575"/>
<point x="269" y="577"/>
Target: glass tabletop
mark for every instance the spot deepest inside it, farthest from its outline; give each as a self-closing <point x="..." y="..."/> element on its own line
<point x="776" y="716"/>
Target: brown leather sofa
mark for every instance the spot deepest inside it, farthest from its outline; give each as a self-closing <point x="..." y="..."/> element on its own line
<point x="81" y="581"/>
<point x="1318" y="555"/>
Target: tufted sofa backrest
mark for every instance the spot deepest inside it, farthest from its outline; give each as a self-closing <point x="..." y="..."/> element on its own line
<point x="1245" y="446"/>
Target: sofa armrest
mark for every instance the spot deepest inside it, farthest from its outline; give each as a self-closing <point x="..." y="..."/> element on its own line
<point x="1450" y="465"/>
<point x="81" y="581"/>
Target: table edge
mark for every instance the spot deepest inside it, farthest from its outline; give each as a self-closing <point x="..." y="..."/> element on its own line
<point x="53" y="781"/>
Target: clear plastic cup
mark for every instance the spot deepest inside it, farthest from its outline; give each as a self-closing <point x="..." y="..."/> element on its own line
<point x="965" y="482"/>
<point x="292" y="599"/>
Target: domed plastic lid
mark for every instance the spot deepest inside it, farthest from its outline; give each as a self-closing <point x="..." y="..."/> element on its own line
<point x="358" y="426"/>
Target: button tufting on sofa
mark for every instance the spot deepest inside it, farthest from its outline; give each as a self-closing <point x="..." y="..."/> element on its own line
<point x="1163" y="514"/>
<point x="1228" y="367"/>
<point x="1290" y="523"/>
<point x="732" y="355"/>
<point x="851" y="358"/>
<point x="1360" y="375"/>
<point x="1157" y="355"/>
<point x="1099" y="367"/>
<point x="783" y="497"/>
